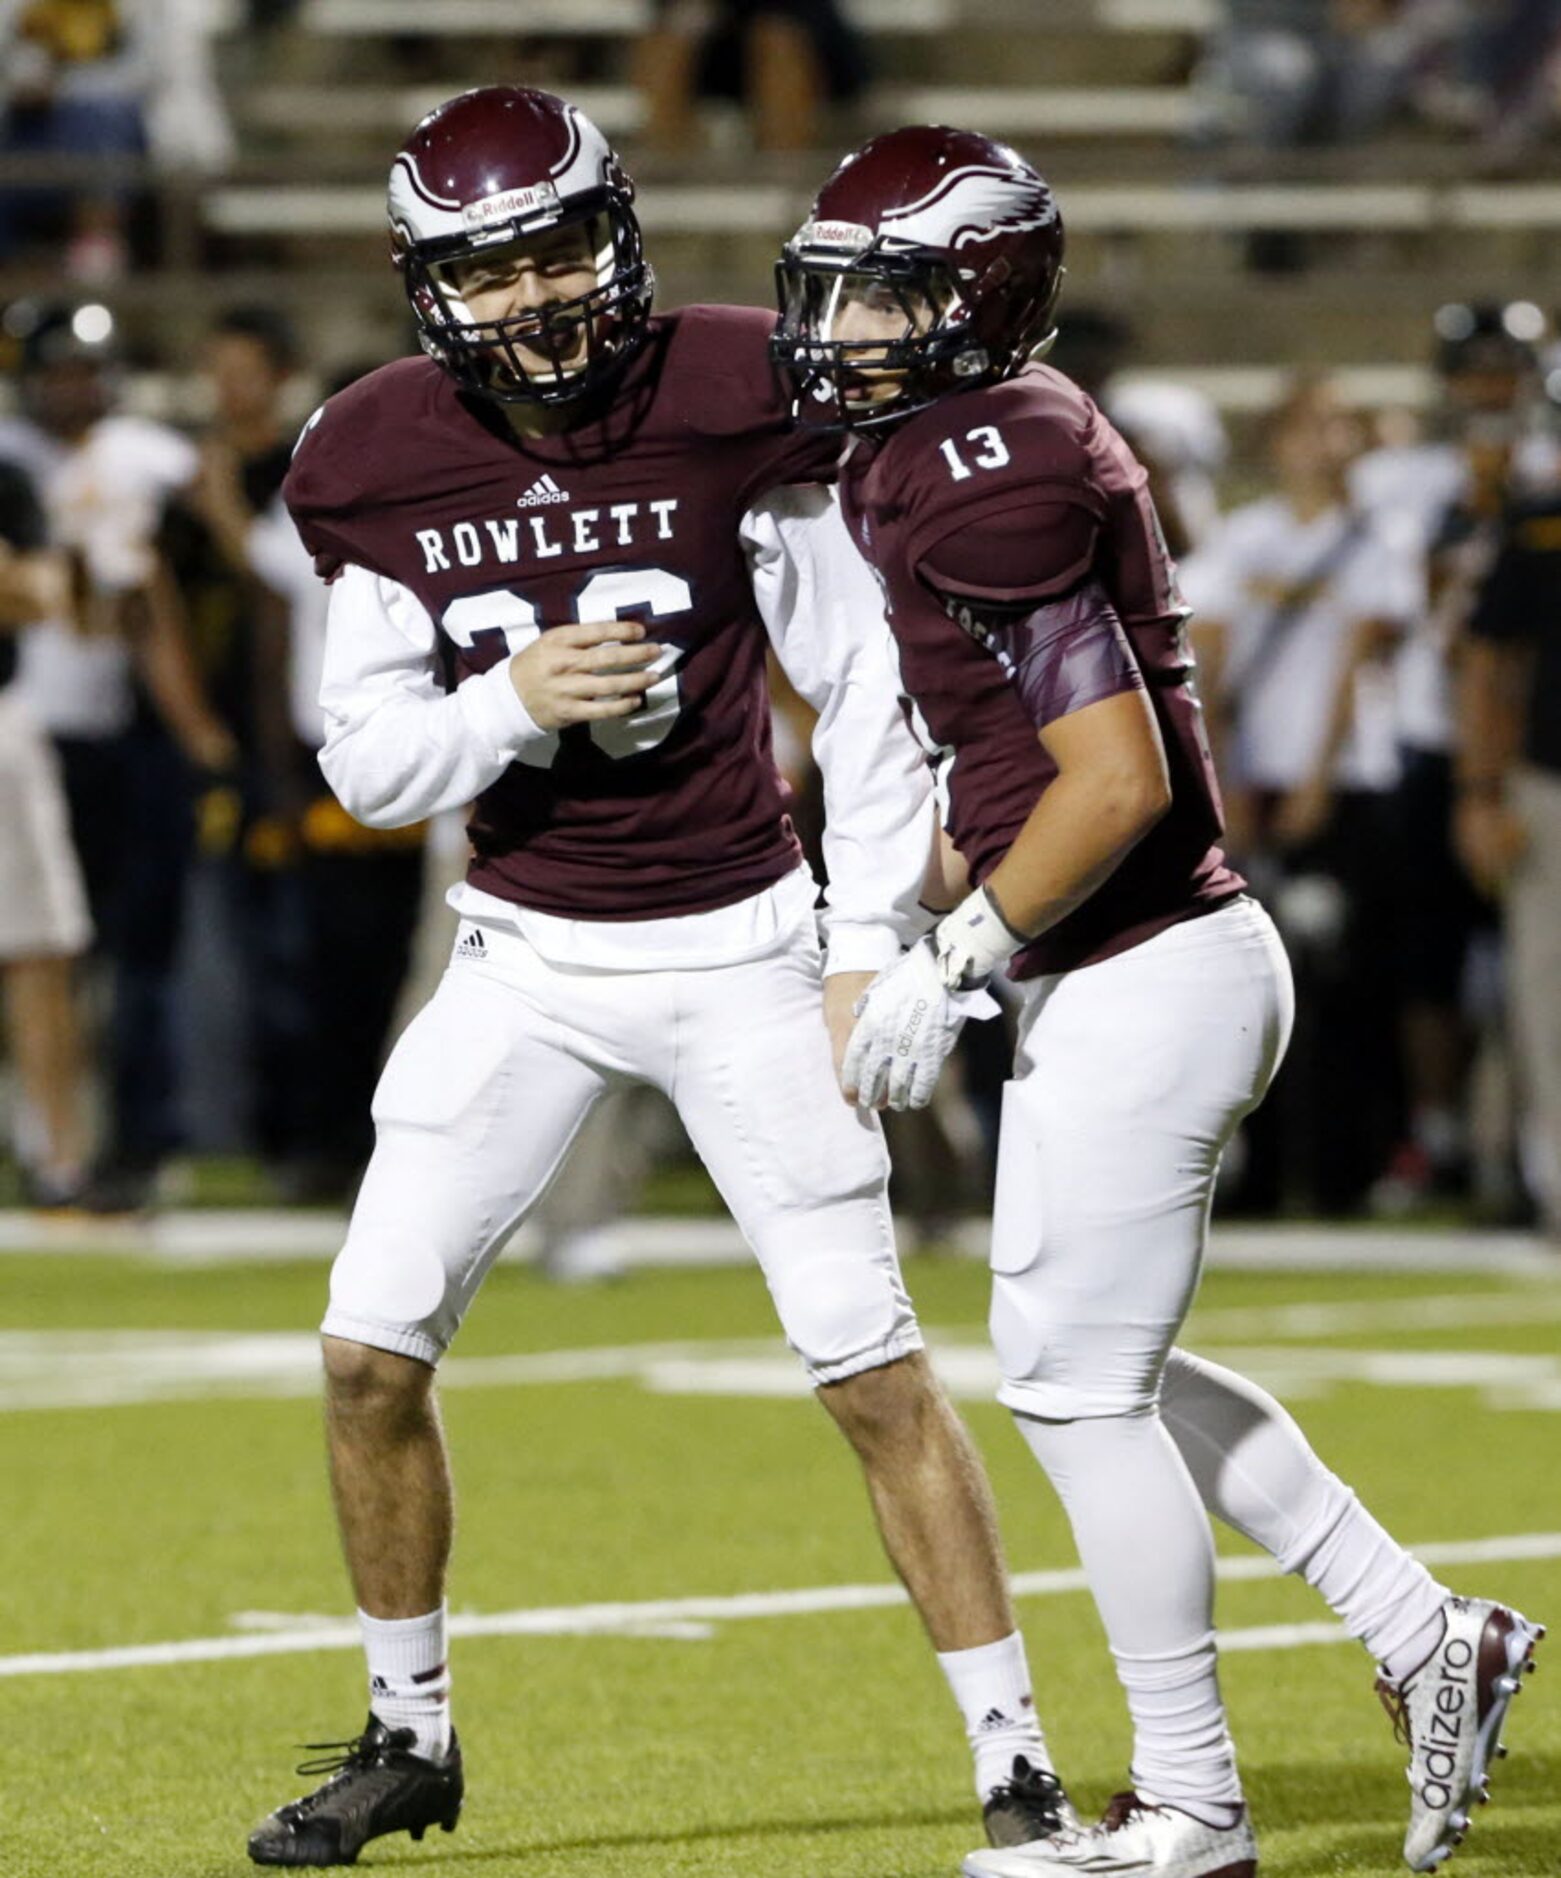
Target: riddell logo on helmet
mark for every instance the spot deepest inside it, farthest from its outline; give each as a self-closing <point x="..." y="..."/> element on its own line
<point x="513" y="202"/>
<point x="852" y="235"/>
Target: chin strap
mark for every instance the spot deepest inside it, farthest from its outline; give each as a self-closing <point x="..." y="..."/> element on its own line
<point x="973" y="941"/>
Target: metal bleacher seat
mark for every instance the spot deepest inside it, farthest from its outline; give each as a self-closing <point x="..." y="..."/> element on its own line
<point x="1097" y="89"/>
<point x="1052" y="111"/>
<point x="577" y="18"/>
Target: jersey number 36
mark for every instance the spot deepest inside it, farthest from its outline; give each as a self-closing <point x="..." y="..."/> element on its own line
<point x="650" y="593"/>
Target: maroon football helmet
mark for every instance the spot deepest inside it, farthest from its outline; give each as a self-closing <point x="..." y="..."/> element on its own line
<point x="484" y="170"/>
<point x="956" y="230"/>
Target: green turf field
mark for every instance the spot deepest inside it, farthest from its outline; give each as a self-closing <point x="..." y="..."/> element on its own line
<point x="160" y="1456"/>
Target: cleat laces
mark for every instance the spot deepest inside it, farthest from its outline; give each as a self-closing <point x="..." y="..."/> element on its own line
<point x="1396" y="1704"/>
<point x="341" y="1759"/>
<point x="1036" y="1793"/>
<point x="1122" y="1808"/>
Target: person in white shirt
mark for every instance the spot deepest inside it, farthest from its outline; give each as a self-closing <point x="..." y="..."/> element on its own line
<point x="1299" y="603"/>
<point x="44" y="926"/>
<point x="356" y="891"/>
<point x="1490" y="443"/>
<point x="114" y="79"/>
<point x="112" y="683"/>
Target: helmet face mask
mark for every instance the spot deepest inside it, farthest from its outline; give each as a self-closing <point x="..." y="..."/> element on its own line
<point x="489" y="186"/>
<point x="909" y="335"/>
<point x="551" y="353"/>
<point x="954" y="239"/>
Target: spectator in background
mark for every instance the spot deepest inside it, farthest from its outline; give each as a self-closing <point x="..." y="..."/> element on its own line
<point x="1299" y="601"/>
<point x="105" y="81"/>
<point x="334" y="905"/>
<point x="1279" y="74"/>
<point x="112" y="682"/>
<point x="1447" y="496"/>
<point x="1282" y="73"/>
<point x="249" y="879"/>
<point x="786" y="59"/>
<point x="1501" y="80"/>
<point x="44" y="926"/>
<point x="248" y="362"/>
<point x="1509" y="804"/>
<point x="1176" y="431"/>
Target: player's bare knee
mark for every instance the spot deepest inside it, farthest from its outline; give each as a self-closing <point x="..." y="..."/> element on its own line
<point x="892" y="1405"/>
<point x="366" y="1384"/>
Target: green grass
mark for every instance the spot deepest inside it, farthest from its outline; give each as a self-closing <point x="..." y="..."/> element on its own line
<point x="776" y="1748"/>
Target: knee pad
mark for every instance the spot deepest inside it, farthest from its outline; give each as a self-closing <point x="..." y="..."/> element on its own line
<point x="1063" y="1371"/>
<point x="392" y="1292"/>
<point x="843" y="1307"/>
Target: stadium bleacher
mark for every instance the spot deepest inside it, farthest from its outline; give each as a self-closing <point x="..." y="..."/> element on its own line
<point x="1097" y="90"/>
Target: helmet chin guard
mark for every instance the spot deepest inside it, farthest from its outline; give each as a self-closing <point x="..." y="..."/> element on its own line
<point x="491" y="168"/>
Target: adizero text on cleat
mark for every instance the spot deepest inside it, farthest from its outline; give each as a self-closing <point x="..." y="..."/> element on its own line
<point x="1449" y="1712"/>
<point x="1134" y="1838"/>
<point x="376" y="1785"/>
<point x="1029" y="1805"/>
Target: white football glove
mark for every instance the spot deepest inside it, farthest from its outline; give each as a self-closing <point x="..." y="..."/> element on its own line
<point x="909" y="1018"/>
<point x="907" y="1022"/>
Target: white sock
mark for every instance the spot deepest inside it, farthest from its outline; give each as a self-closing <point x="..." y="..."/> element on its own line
<point x="409" y="1677"/>
<point x="1144" y="1542"/>
<point x="991" y="1684"/>
<point x="1182" y="1751"/>
<point x="1255" y="1470"/>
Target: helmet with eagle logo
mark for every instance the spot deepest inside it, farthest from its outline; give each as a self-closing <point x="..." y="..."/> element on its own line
<point x="956" y="230"/>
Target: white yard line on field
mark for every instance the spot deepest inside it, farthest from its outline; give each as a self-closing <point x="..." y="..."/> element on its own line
<point x="255" y="1235"/>
<point x="693" y="1618"/>
<point x="1343" y="1317"/>
<point x="65" y="1369"/>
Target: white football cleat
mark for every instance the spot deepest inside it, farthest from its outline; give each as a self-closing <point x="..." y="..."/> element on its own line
<point x="1134" y="1837"/>
<point x="1449" y="1712"/>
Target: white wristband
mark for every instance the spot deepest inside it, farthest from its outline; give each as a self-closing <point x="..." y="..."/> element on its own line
<point x="973" y="941"/>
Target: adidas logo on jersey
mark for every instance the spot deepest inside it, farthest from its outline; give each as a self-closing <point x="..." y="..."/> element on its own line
<point x="471" y="945"/>
<point x="544" y="489"/>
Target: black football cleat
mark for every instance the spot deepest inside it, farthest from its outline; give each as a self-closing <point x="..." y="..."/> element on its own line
<point x="376" y="1786"/>
<point x="1032" y="1805"/>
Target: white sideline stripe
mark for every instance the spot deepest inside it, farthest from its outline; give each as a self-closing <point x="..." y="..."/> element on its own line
<point x="1281" y="1637"/>
<point x="119" y="1368"/>
<point x="1455" y="1310"/>
<point x="683" y="1618"/>
<point x="235" y="1235"/>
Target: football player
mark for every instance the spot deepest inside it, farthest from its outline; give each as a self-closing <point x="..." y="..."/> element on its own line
<point x="1043" y="656"/>
<point x="562" y="542"/>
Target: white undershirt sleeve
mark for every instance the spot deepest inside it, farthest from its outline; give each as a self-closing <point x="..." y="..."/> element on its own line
<point x="822" y="608"/>
<point x="398" y="747"/>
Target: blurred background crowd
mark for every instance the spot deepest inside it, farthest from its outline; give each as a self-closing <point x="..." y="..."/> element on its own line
<point x="1312" y="275"/>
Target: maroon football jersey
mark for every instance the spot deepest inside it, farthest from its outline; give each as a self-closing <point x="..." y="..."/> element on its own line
<point x="1001" y="498"/>
<point x="634" y="515"/>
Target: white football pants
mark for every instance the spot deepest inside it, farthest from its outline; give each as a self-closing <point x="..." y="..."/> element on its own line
<point x="1131" y="1077"/>
<point x="490" y="1083"/>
